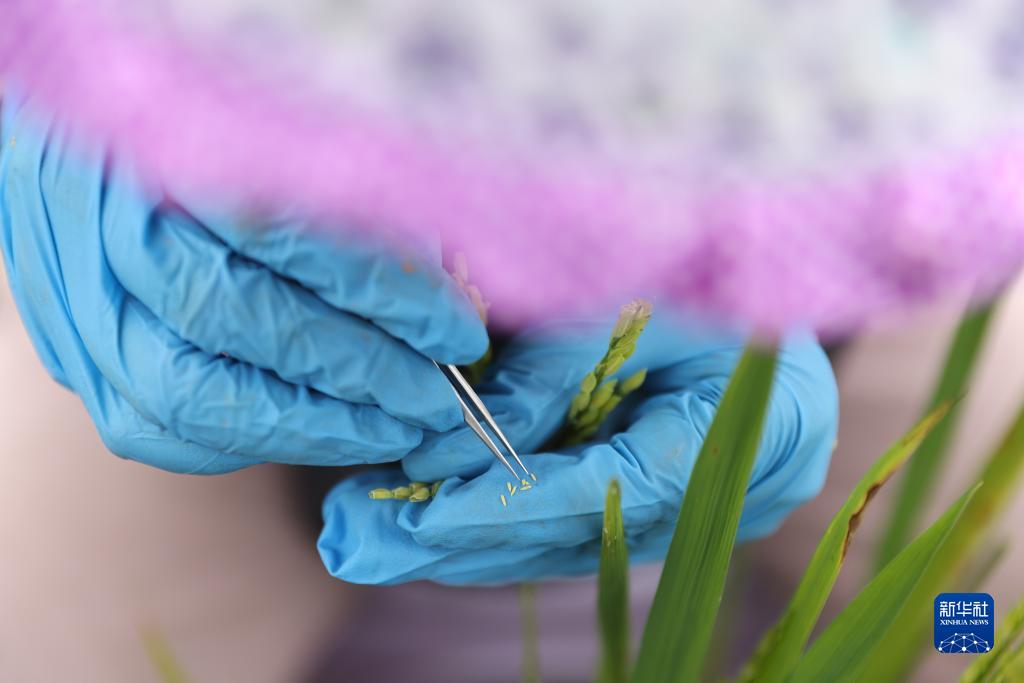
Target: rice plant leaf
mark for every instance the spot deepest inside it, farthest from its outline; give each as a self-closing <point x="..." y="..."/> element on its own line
<point x="1006" y="645"/>
<point x="918" y="484"/>
<point x="845" y="647"/>
<point x="1012" y="671"/>
<point x="530" y="632"/>
<point x="910" y="636"/>
<point x="732" y="616"/>
<point x="613" y="592"/>
<point x="977" y="572"/>
<point x="780" y="649"/>
<point x="672" y="649"/>
<point x="167" y="667"/>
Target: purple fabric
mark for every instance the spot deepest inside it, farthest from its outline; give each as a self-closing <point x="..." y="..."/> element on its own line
<point x="826" y="252"/>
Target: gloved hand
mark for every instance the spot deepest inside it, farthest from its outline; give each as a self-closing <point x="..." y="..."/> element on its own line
<point x="466" y="536"/>
<point x="200" y="344"/>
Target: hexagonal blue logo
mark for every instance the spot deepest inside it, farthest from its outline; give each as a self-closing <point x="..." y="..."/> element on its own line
<point x="964" y="623"/>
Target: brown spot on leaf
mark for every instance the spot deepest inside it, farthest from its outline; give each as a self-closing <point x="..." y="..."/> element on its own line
<point x="408" y="267"/>
<point x="855" y="517"/>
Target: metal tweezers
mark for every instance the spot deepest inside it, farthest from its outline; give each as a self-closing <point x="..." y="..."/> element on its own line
<point x="467" y="397"/>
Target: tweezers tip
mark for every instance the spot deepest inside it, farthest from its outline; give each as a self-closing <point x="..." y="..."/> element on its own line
<point x="474" y="424"/>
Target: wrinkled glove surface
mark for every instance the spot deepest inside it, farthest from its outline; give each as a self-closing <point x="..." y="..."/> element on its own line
<point x="204" y="344"/>
<point x="466" y="536"/>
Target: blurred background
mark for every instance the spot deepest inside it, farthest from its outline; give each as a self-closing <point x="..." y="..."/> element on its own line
<point x="95" y="550"/>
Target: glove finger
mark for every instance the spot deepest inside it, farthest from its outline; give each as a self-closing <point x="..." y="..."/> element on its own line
<point x="224" y="303"/>
<point x="396" y="290"/>
<point x="651" y="461"/>
<point x="362" y="542"/>
<point x="129" y="435"/>
<point x="236" y="408"/>
<point x="126" y="433"/>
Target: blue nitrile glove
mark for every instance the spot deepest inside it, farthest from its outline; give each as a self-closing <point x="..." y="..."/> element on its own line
<point x="465" y="535"/>
<point x="202" y="345"/>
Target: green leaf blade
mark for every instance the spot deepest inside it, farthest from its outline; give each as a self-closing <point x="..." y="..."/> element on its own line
<point x="1012" y="670"/>
<point x="918" y="484"/>
<point x="530" y="632"/>
<point x="995" y="661"/>
<point x="166" y="666"/>
<point x="909" y="637"/>
<point x="844" y="649"/>
<point x="613" y="592"/>
<point x="780" y="649"/>
<point x="695" y="568"/>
